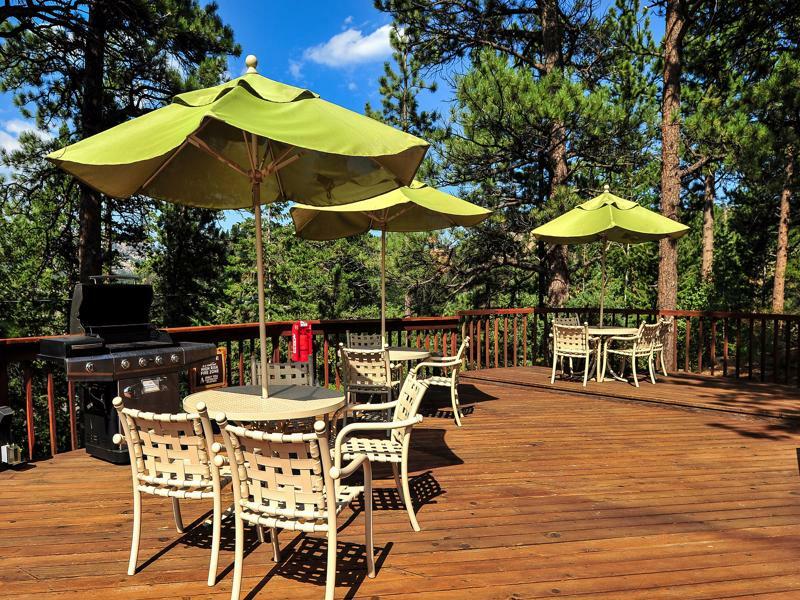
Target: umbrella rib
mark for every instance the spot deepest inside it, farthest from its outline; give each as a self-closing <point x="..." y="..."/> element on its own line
<point x="200" y="144"/>
<point x="277" y="173"/>
<point x="172" y="156"/>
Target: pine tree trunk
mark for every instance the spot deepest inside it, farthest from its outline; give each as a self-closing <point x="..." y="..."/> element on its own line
<point x="707" y="265"/>
<point x="782" y="253"/>
<point x="407" y="300"/>
<point x="90" y="255"/>
<point x="557" y="265"/>
<point x="676" y="23"/>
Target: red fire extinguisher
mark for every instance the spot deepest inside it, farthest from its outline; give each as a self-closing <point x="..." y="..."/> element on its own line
<point x="301" y="341"/>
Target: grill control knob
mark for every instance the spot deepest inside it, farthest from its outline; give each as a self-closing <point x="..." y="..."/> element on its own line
<point x="174" y="358"/>
<point x="159" y="360"/>
<point x="89" y="367"/>
<point x="143" y="362"/>
<point x="125" y="363"/>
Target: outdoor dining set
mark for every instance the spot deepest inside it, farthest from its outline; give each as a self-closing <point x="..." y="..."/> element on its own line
<point x="595" y="345"/>
<point x="286" y="457"/>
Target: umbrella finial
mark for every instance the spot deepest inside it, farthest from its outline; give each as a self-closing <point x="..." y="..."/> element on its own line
<point x="606" y="189"/>
<point x="252" y="62"/>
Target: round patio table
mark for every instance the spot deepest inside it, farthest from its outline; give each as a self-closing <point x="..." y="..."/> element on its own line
<point x="604" y="332"/>
<point x="402" y="353"/>
<point x="285" y="402"/>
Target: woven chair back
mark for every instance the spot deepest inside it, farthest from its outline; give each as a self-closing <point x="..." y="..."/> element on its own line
<point x="295" y="373"/>
<point x="169" y="449"/>
<point x="281" y="475"/>
<point x="649" y="335"/>
<point x="664" y="332"/>
<point x="366" y="341"/>
<point x="408" y="402"/>
<point x="571" y="339"/>
<point x="571" y="319"/>
<point x="365" y="367"/>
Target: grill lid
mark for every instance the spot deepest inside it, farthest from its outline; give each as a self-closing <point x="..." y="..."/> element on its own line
<point x="119" y="309"/>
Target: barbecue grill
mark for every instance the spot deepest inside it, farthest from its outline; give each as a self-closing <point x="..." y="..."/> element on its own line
<point x="113" y="349"/>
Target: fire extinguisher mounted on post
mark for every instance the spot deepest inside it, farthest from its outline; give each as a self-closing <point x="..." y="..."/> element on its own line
<point x="302" y="341"/>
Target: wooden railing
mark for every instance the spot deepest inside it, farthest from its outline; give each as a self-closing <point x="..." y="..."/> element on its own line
<point x="762" y="347"/>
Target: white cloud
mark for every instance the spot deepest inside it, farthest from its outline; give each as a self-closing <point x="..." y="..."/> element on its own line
<point x="351" y="85"/>
<point x="296" y="68"/>
<point x="348" y="20"/>
<point x="352" y="47"/>
<point x="10" y="131"/>
<point x="8" y="142"/>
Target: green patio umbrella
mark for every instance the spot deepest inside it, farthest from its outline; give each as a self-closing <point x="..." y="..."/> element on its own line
<point x="609" y="218"/>
<point x="417" y="207"/>
<point x="244" y="143"/>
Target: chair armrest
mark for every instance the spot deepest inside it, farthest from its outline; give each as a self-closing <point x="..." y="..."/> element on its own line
<point x="358" y="461"/>
<point x="624" y="338"/>
<point x="348" y="429"/>
<point x="119" y="440"/>
<point x="451" y="362"/>
<point x="376" y="406"/>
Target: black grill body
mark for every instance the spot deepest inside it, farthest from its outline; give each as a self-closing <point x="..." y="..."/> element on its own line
<point x="114" y="350"/>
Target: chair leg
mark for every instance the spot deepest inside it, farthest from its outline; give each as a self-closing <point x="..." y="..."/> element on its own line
<point x="585" y="370"/>
<point x="407" y="493"/>
<point x="276" y="546"/>
<point x="176" y="512"/>
<point x="651" y="367"/>
<point x="397" y="482"/>
<point x="330" y="579"/>
<point x="215" y="538"/>
<point x="553" y="374"/>
<point x="454" y="400"/>
<point x="238" y="558"/>
<point x="633" y="368"/>
<point x="663" y="366"/>
<point x="605" y="365"/>
<point x="137" y="530"/>
<point x="260" y="533"/>
<point x="368" y="515"/>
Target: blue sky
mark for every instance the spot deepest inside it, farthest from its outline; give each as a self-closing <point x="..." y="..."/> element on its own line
<point x="335" y="47"/>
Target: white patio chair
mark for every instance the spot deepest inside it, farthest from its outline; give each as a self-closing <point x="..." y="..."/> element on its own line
<point x="640" y="345"/>
<point x="450" y="366"/>
<point x="171" y="457"/>
<point x="664" y="337"/>
<point x="568" y="319"/>
<point x="366" y="371"/>
<point x="393" y="450"/>
<point x="287" y="481"/>
<point x="572" y="341"/>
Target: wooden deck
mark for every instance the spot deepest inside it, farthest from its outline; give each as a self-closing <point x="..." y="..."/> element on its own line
<point x="687" y="390"/>
<point x="540" y="494"/>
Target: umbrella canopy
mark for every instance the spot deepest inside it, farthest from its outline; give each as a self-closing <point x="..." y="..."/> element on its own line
<point x="609" y="218"/>
<point x="417" y="207"/>
<point x="244" y="143"/>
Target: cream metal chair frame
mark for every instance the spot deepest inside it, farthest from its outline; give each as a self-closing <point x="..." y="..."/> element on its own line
<point x="366" y="371"/>
<point x="171" y="457"/>
<point x="287" y="481"/>
<point x="640" y="345"/>
<point x="573" y="341"/>
<point x="664" y="337"/>
<point x="451" y="366"/>
<point x="393" y="450"/>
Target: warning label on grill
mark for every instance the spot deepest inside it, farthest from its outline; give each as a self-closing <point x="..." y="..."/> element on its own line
<point x="211" y="374"/>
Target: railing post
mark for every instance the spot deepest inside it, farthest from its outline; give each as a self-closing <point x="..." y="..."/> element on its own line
<point x="763" y="356"/>
<point x="73" y="425"/>
<point x="775" y="355"/>
<point x="51" y="413"/>
<point x="713" y="345"/>
<point x="687" y="341"/>
<point x="524" y="339"/>
<point x="699" y="344"/>
<point x="725" y="347"/>
<point x="27" y="384"/>
<point x="505" y="341"/>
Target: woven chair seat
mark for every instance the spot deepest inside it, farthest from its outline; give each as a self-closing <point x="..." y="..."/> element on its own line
<point x="440" y="380"/>
<point x="195" y="493"/>
<point x="376" y="450"/>
<point x="640" y="351"/>
<point x="306" y="521"/>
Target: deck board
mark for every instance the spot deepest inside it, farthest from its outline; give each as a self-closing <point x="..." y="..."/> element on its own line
<point x="541" y="494"/>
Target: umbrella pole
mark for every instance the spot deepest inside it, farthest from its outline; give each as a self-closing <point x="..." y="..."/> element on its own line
<point x="603" y="284"/>
<point x="383" y="286"/>
<point x="262" y="326"/>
